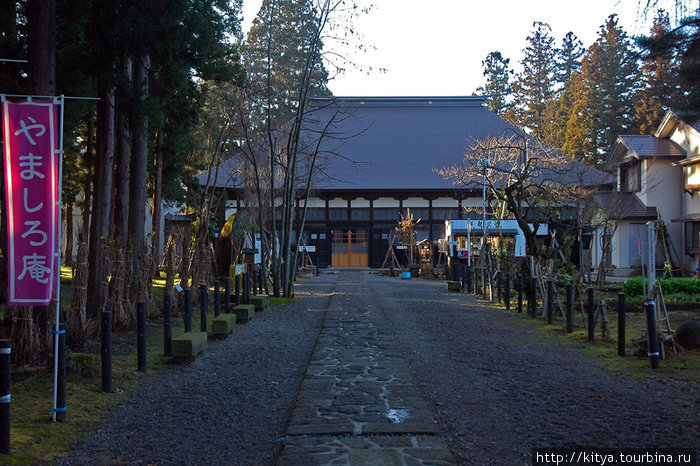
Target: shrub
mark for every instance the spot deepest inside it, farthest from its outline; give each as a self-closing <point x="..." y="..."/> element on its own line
<point x="633" y="287"/>
<point x="685" y="286"/>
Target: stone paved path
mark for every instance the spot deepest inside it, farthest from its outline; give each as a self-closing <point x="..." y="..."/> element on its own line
<point x="359" y="403"/>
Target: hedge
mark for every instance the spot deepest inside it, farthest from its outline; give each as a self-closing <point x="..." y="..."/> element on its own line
<point x="688" y="286"/>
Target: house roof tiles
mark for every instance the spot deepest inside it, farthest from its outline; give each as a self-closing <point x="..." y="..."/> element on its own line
<point x="650" y="146"/>
<point x="624" y="206"/>
<point x="395" y="143"/>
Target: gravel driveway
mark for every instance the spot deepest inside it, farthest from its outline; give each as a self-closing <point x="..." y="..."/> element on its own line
<point x="498" y="390"/>
<point x="228" y="407"/>
<point x="494" y="387"/>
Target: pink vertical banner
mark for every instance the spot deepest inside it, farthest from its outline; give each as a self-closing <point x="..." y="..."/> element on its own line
<point x="30" y="135"/>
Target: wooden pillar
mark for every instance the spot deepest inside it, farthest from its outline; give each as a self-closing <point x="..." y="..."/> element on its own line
<point x="430" y="220"/>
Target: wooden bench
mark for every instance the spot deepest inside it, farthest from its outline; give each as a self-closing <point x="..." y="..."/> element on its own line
<point x="260" y="301"/>
<point x="244" y="312"/>
<point x="223" y="325"/>
<point x="453" y="285"/>
<point x="188" y="345"/>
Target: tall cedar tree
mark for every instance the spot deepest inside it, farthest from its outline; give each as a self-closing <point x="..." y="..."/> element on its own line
<point x="603" y="95"/>
<point x="682" y="40"/>
<point x="277" y="48"/>
<point x="568" y="58"/>
<point x="534" y="85"/>
<point x="496" y="70"/>
<point x="175" y="47"/>
<point x="660" y="78"/>
<point x="568" y="62"/>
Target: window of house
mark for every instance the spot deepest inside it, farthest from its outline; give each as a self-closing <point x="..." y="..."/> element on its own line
<point x="417" y="213"/>
<point x="443" y="213"/>
<point x="692" y="176"/>
<point x="340" y="213"/>
<point x="438" y="231"/>
<point x="692" y="235"/>
<point x="631" y="177"/>
<point x="360" y="214"/>
<point x="315" y="213"/>
<point x="386" y="213"/>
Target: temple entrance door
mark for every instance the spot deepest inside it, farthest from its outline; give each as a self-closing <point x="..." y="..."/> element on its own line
<point x="350" y="248"/>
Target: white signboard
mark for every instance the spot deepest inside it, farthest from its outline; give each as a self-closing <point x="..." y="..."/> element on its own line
<point x="651" y="255"/>
<point x="258" y="247"/>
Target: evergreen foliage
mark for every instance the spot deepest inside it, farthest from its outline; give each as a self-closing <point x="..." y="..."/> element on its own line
<point x="681" y="42"/>
<point x="534" y="87"/>
<point x="281" y="44"/>
<point x="496" y="70"/>
<point x="568" y="58"/>
<point x="603" y="94"/>
<point x="660" y="76"/>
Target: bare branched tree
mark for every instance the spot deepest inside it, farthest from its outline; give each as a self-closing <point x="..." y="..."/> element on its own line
<point x="280" y="154"/>
<point x="525" y="178"/>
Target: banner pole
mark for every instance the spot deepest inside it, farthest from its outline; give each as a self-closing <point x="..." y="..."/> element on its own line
<point x="59" y="205"/>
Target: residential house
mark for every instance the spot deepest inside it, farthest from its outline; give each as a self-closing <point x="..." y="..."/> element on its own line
<point x="657" y="178"/>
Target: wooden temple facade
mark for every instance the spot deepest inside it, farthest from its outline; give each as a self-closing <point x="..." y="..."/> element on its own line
<point x="380" y="158"/>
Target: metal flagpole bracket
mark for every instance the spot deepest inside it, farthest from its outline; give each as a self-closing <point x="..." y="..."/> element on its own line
<point x="50" y="97"/>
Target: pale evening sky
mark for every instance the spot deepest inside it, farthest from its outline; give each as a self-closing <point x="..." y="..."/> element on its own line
<point x="435" y="47"/>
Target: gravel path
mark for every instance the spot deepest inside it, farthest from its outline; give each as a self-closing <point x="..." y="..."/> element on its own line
<point x="358" y="403"/>
<point x="228" y="407"/>
<point x="498" y="391"/>
<point x="495" y="388"/>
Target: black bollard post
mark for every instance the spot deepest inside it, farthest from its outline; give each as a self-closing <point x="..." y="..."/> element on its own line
<point x="550" y="301"/>
<point x="520" y="295"/>
<point x="61" y="380"/>
<point x="167" y="325"/>
<point x="5" y="397"/>
<point x="621" y="324"/>
<point x="246" y="288"/>
<point x="569" y="308"/>
<point x="203" y="304"/>
<point x="217" y="302"/>
<point x="507" y="291"/>
<point x="238" y="279"/>
<point x="533" y="304"/>
<point x="591" y="315"/>
<point x="141" y="335"/>
<point x="227" y="292"/>
<point x="499" y="286"/>
<point x="106" y="350"/>
<point x="652" y="337"/>
<point x="188" y="310"/>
